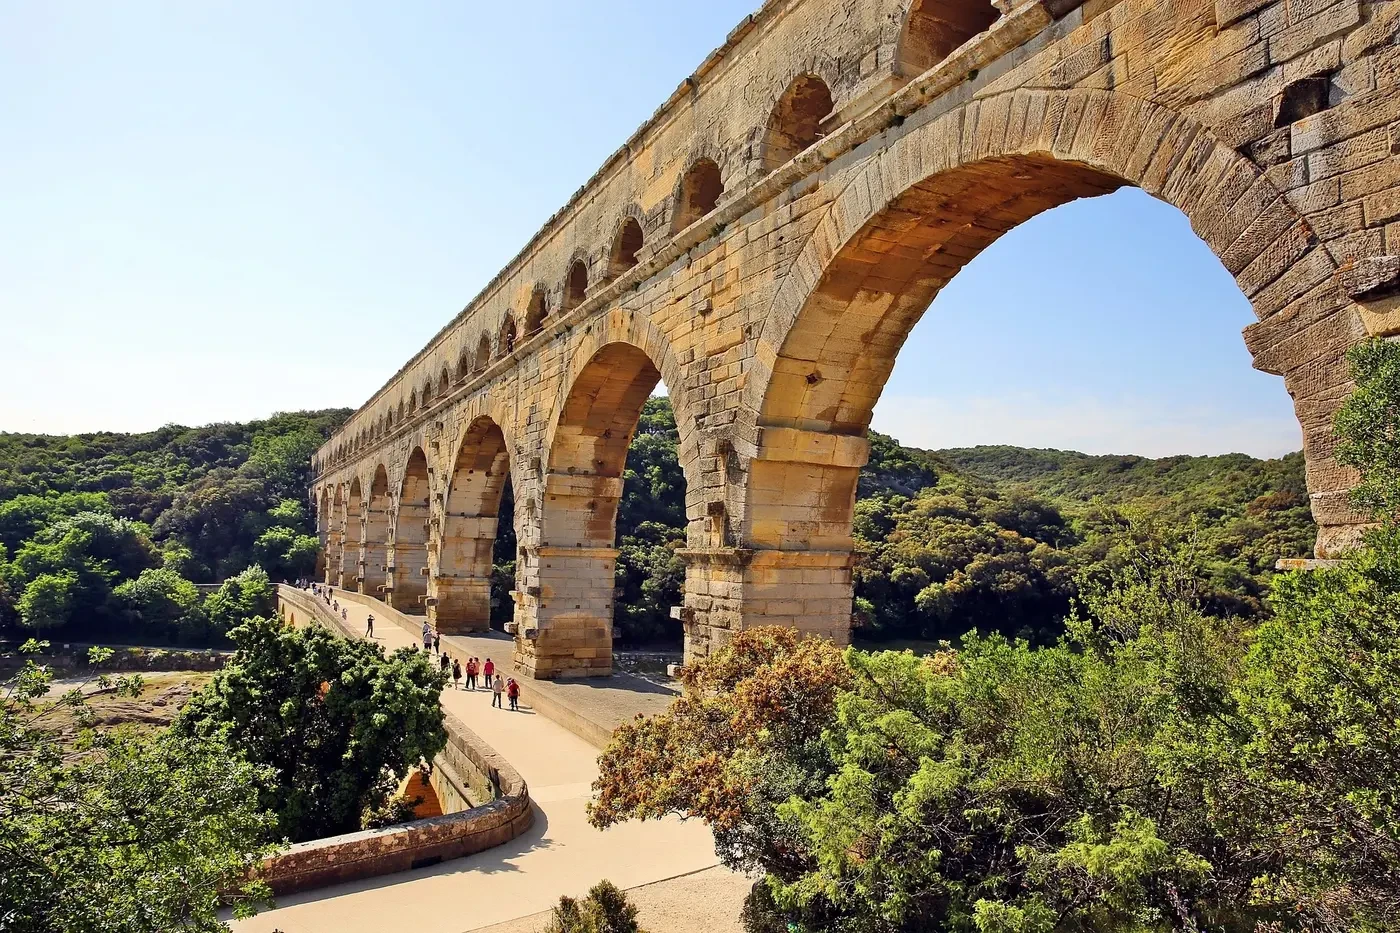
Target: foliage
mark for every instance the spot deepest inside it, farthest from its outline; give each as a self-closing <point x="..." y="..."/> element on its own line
<point x="334" y="719"/>
<point x="606" y="909"/>
<point x="650" y="576"/>
<point x="1368" y="426"/>
<point x="131" y="834"/>
<point x="82" y="517"/>
<point x="1158" y="767"/>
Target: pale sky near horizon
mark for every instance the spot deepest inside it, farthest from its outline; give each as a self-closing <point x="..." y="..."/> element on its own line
<point x="215" y="211"/>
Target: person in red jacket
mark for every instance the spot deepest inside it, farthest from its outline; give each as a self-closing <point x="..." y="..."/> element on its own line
<point x="488" y="669"/>
<point x="513" y="691"/>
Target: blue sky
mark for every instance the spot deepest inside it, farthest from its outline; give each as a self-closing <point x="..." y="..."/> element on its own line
<point x="217" y="210"/>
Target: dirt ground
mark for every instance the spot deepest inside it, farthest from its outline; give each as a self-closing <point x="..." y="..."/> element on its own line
<point x="162" y="694"/>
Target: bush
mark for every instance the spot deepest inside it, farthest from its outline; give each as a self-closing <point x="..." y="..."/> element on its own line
<point x="606" y="909"/>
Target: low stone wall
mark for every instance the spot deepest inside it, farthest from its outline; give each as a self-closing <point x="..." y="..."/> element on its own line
<point x="467" y="769"/>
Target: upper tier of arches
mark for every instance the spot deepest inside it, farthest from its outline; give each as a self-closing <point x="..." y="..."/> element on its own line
<point x="784" y="78"/>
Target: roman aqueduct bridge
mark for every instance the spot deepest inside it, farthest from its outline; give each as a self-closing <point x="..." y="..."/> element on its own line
<point x="764" y="243"/>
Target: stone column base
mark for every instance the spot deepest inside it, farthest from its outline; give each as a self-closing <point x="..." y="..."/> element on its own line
<point x="730" y="589"/>
<point x="564" y="617"/>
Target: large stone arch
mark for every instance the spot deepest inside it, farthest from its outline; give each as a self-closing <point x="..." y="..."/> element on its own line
<point x="459" y="598"/>
<point x="408" y="560"/>
<point x="374" y="540"/>
<point x="908" y="218"/>
<point x="335" y="533"/>
<point x="565" y="608"/>
<point x="354" y="536"/>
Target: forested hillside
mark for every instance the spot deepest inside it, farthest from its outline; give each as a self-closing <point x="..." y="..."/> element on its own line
<point x="104" y="535"/>
<point x="995" y="538"/>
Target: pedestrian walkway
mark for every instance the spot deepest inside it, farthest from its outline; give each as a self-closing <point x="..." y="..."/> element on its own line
<point x="560" y="854"/>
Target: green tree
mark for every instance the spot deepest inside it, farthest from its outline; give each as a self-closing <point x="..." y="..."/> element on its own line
<point x="606" y="909"/>
<point x="163" y="602"/>
<point x="334" y="719"/>
<point x="48" y="601"/>
<point x="240" y="598"/>
<point x="118" y="833"/>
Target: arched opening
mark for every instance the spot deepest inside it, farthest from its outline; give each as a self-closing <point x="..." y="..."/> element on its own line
<point x="483" y="354"/>
<point x="413" y="401"/>
<point x="836" y="354"/>
<point x="444" y="384"/>
<point x="335" y="542"/>
<point x="627" y="243"/>
<point x="934" y="28"/>
<point x="796" y="121"/>
<point x="410" y="555"/>
<point x="398" y="419"/>
<point x="374" y="548"/>
<point x="576" y="285"/>
<point x="461" y="598"/>
<point x="574" y="567"/>
<point x="699" y="192"/>
<point x="506" y="344"/>
<point x="464" y="366"/>
<point x="536" y="311"/>
<point x="323" y="532"/>
<point x="354" y="538"/>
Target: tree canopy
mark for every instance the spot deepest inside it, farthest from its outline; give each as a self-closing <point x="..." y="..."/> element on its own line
<point x="1159" y="766"/>
<point x="333" y="720"/>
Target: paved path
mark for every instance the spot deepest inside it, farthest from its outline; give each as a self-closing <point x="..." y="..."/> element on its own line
<point x="561" y="853"/>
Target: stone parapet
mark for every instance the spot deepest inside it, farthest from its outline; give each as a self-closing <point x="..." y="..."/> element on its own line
<point x="467" y="770"/>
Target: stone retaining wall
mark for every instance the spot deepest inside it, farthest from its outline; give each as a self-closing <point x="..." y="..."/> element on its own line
<point x="467" y="768"/>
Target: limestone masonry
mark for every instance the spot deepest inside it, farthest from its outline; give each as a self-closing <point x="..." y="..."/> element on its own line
<point x="765" y="243"/>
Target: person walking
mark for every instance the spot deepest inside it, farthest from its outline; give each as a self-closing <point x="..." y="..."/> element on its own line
<point x="456" y="674"/>
<point x="488" y="670"/>
<point x="498" y="686"/>
<point x="444" y="665"/>
<point x="344" y="614"/>
<point x="427" y="637"/>
<point x="513" y="691"/>
<point x="473" y="672"/>
<point x="437" y="642"/>
<point x="369" y="627"/>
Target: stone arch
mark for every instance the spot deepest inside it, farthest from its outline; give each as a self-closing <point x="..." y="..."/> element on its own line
<point x="444" y="383"/>
<point x="626" y="245"/>
<point x="374" y="541"/>
<point x="335" y="541"/>
<point x="796" y="120"/>
<point x="483" y="354"/>
<point x="460" y="594"/>
<point x="505" y="344"/>
<point x="464" y="366"/>
<point x="323" y="532"/>
<point x="697" y="194"/>
<point x="412" y="401"/>
<point x="564" y="617"/>
<point x="350" y="562"/>
<point x="575" y="285"/>
<point x="536" y="311"/>
<point x="934" y="28"/>
<point x="409" y="559"/>
<point x="885" y="248"/>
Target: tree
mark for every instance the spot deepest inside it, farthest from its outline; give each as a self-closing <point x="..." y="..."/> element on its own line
<point x="240" y="598"/>
<point x="162" y="602"/>
<point x="48" y="600"/>
<point x="335" y="720"/>
<point x="119" y="833"/>
<point x="606" y="909"/>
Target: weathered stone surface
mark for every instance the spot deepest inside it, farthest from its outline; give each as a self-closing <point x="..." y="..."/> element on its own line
<point x="764" y="244"/>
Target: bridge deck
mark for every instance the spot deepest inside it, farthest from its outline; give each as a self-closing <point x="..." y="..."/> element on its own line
<point x="561" y="854"/>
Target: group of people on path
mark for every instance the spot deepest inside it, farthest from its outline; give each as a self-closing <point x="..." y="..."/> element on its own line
<point x="325" y="593"/>
<point x="492" y="678"/>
